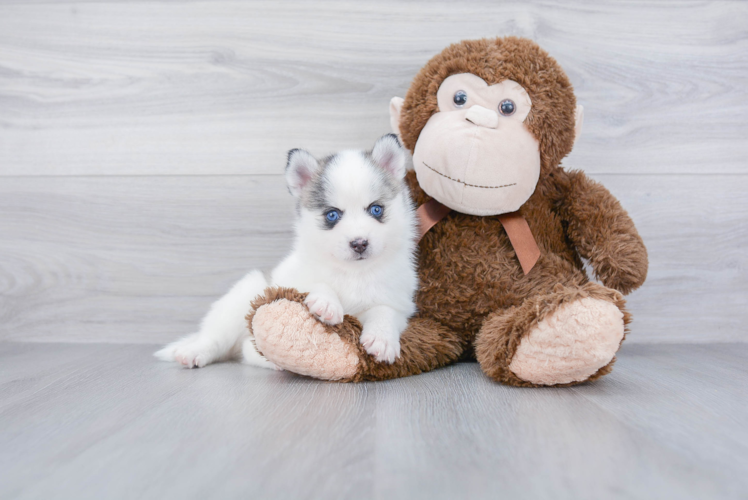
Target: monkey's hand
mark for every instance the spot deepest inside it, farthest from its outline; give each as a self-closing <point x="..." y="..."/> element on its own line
<point x="603" y="233"/>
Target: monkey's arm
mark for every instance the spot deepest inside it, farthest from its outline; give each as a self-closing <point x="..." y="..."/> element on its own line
<point x="603" y="233"/>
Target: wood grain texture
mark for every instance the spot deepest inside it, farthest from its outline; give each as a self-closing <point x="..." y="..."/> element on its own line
<point x="140" y="144"/>
<point x="140" y="259"/>
<point x="696" y="231"/>
<point x="134" y="257"/>
<point x="140" y="147"/>
<point x="106" y="421"/>
<point x="114" y="88"/>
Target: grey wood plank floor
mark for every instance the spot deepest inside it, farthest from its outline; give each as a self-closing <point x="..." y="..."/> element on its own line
<point x="108" y="421"/>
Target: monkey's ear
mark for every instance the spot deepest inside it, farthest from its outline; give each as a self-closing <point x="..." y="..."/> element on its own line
<point x="389" y="155"/>
<point x="300" y="169"/>
<point x="396" y="105"/>
<point x="578" y="119"/>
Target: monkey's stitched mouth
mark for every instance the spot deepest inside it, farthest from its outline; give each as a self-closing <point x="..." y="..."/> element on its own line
<point x="465" y="183"/>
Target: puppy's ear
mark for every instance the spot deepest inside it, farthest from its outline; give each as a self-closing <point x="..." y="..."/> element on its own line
<point x="396" y="108"/>
<point x="300" y="169"/>
<point x="389" y="155"/>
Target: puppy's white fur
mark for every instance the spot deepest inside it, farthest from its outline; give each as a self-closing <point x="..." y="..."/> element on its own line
<point x="376" y="286"/>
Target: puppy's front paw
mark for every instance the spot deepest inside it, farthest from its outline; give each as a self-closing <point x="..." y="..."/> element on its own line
<point x="327" y="309"/>
<point x="384" y="346"/>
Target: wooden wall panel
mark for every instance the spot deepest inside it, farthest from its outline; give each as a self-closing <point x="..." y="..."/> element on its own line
<point x="139" y="259"/>
<point x="140" y="144"/>
<point x="113" y="88"/>
<point x="132" y="258"/>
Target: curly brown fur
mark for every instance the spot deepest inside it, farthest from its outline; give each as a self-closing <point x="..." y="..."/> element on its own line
<point x="603" y="233"/>
<point x="551" y="119"/>
<point x="474" y="299"/>
<point x="468" y="268"/>
<point x="503" y="331"/>
<point x="424" y="346"/>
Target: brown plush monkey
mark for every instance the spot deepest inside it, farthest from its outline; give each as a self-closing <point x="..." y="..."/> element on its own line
<point x="502" y="279"/>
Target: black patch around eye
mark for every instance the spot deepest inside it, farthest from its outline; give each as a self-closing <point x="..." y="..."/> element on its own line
<point x="327" y="223"/>
<point x="379" y="217"/>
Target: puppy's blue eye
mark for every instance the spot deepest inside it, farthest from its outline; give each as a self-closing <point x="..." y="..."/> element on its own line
<point x="460" y="98"/>
<point x="332" y="216"/>
<point x="376" y="210"/>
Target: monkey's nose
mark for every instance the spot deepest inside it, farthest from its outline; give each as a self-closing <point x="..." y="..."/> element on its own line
<point x="482" y="117"/>
<point x="359" y="245"/>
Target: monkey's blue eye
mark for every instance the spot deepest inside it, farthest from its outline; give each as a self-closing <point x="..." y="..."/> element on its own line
<point x="332" y="216"/>
<point x="460" y="98"/>
<point x="507" y="107"/>
<point x="376" y="210"/>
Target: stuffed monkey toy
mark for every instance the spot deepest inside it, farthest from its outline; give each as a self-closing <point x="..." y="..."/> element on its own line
<point x="505" y="229"/>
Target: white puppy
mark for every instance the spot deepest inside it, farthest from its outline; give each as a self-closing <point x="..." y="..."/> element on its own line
<point x="353" y="253"/>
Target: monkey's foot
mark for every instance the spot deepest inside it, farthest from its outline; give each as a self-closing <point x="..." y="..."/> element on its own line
<point x="571" y="344"/>
<point x="288" y="335"/>
<point x="567" y="337"/>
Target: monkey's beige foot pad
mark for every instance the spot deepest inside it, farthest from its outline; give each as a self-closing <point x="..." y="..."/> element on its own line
<point x="571" y="344"/>
<point x="289" y="336"/>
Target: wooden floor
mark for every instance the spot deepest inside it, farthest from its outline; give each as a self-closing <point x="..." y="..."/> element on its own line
<point x="108" y="421"/>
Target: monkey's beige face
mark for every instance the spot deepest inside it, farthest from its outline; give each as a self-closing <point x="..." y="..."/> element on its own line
<point x="475" y="154"/>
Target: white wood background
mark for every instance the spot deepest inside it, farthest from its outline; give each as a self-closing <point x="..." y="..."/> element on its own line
<point x="141" y="144"/>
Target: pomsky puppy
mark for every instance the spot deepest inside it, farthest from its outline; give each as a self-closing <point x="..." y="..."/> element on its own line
<point x="353" y="253"/>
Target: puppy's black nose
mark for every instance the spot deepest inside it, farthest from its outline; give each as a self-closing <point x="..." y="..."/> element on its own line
<point x="359" y="245"/>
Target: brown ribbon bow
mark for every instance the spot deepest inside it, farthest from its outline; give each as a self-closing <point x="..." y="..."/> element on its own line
<point x="514" y="223"/>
